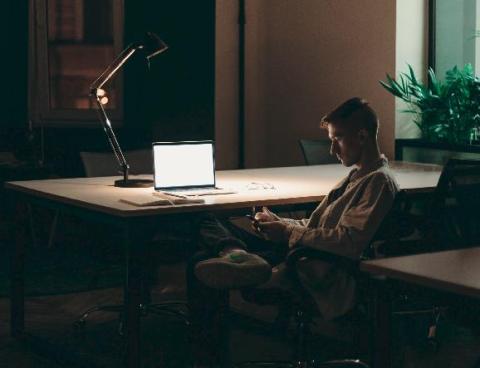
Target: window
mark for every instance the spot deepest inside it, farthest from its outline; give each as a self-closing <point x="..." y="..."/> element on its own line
<point x="71" y="43"/>
<point x="454" y="34"/>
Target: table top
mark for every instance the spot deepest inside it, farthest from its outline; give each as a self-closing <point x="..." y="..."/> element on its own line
<point x="455" y="271"/>
<point x="291" y="185"/>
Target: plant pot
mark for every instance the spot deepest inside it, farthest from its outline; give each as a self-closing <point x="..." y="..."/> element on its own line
<point x="420" y="150"/>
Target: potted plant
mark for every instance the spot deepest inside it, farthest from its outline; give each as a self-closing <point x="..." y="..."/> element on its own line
<point x="445" y="111"/>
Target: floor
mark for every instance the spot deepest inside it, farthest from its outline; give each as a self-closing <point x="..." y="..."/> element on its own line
<point x="164" y="340"/>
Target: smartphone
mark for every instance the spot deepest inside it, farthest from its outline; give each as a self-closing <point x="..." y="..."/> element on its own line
<point x="254" y="221"/>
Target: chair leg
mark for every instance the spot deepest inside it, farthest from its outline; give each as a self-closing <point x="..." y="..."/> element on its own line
<point x="53" y="229"/>
<point x="167" y="308"/>
<point x="267" y="365"/>
<point x="301" y="355"/>
<point x="303" y="334"/>
<point x="80" y="322"/>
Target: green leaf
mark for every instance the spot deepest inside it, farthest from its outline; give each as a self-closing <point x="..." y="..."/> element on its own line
<point x="413" y="79"/>
<point x="434" y="83"/>
<point x="443" y="110"/>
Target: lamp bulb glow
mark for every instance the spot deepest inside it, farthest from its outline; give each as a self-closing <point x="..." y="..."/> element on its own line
<point x="104" y="100"/>
<point x="100" y="92"/>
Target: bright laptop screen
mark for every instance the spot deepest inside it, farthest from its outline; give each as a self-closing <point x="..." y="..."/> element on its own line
<point x="183" y="164"/>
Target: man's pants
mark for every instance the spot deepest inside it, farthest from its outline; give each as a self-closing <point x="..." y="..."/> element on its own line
<point x="206" y="304"/>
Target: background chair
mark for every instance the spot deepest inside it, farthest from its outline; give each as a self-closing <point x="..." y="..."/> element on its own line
<point x="141" y="162"/>
<point x="452" y="218"/>
<point x="105" y="164"/>
<point x="317" y="151"/>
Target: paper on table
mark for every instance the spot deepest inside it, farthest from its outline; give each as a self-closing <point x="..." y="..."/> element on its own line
<point x="163" y="200"/>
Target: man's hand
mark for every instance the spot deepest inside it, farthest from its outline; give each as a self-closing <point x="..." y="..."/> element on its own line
<point x="266" y="215"/>
<point x="275" y="231"/>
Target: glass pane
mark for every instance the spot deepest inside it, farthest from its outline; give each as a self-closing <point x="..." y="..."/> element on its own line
<point x="457" y="31"/>
<point x="80" y="47"/>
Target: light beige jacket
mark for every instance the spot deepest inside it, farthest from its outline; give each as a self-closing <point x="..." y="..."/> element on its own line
<point x="343" y="224"/>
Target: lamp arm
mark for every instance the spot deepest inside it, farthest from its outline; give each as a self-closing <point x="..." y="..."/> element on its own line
<point x="112" y="139"/>
<point x="95" y="87"/>
<point x="110" y="71"/>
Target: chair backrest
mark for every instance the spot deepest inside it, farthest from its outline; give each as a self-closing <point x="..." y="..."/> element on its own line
<point x="317" y="151"/>
<point x="105" y="163"/>
<point x="454" y="212"/>
<point x="397" y="225"/>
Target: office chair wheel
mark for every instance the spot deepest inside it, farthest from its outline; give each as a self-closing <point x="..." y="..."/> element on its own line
<point x="121" y="326"/>
<point x="79" y="328"/>
<point x="433" y="344"/>
<point x="79" y="324"/>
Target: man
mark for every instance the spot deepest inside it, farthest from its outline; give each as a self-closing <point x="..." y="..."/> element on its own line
<point x="343" y="223"/>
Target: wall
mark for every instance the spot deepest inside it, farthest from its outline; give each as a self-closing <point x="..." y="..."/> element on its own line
<point x="304" y="57"/>
<point x="226" y="84"/>
<point x="411" y="48"/>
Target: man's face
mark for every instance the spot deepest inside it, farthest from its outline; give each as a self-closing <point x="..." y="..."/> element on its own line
<point x="346" y="143"/>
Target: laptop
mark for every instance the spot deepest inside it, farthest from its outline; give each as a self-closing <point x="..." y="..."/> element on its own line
<point x="185" y="168"/>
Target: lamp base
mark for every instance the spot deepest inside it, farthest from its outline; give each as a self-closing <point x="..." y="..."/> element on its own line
<point x="134" y="183"/>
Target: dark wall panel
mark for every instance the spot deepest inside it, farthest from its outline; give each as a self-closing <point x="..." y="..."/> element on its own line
<point x="13" y="62"/>
<point x="174" y="100"/>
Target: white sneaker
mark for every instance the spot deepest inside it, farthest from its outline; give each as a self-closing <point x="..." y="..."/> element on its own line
<point x="234" y="270"/>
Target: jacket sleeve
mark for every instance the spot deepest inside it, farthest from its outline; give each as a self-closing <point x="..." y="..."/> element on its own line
<point x="315" y="216"/>
<point x="357" y="224"/>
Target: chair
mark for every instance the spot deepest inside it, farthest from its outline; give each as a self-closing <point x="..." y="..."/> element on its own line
<point x="302" y="308"/>
<point x="317" y="151"/>
<point x="452" y="218"/>
<point x="105" y="164"/>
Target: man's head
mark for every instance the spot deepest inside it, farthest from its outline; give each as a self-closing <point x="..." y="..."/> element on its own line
<point x="352" y="128"/>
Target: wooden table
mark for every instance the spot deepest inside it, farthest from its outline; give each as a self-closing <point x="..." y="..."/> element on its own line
<point x="98" y="199"/>
<point x="455" y="271"/>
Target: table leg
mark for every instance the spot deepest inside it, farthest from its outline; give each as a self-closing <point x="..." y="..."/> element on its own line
<point x="17" y="277"/>
<point x="132" y="297"/>
<point x="381" y="324"/>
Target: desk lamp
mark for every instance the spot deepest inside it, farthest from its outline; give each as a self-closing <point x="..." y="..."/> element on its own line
<point x="151" y="46"/>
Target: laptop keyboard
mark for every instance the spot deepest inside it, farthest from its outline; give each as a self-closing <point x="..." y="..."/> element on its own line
<point x="198" y="192"/>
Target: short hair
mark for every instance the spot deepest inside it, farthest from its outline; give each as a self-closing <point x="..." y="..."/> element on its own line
<point x="353" y="110"/>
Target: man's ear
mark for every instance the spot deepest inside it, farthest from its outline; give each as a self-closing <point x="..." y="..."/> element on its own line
<point x="362" y="135"/>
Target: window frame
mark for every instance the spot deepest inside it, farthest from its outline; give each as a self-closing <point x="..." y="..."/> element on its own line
<point x="432" y="5"/>
<point x="40" y="111"/>
<point x="433" y="36"/>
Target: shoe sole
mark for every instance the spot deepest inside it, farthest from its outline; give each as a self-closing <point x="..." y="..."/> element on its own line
<point x="219" y="273"/>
